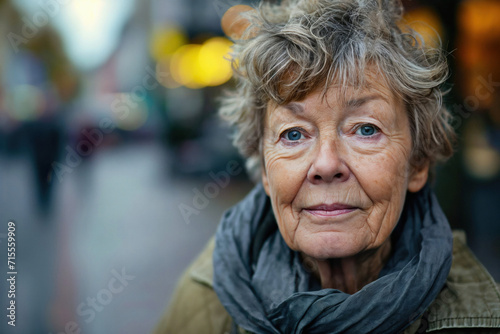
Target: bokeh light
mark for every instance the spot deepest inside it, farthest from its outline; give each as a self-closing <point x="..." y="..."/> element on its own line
<point x="478" y="49"/>
<point x="215" y="67"/>
<point x="426" y="22"/>
<point x="185" y="66"/>
<point x="166" y="40"/>
<point x="201" y="65"/>
<point x="90" y="33"/>
<point x="480" y="18"/>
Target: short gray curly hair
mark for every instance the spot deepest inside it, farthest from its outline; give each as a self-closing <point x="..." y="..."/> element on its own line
<point x="298" y="46"/>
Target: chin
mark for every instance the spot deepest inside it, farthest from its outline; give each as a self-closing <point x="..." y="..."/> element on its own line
<point x="329" y="245"/>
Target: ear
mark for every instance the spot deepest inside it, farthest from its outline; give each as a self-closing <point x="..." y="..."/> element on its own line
<point x="265" y="180"/>
<point x="418" y="178"/>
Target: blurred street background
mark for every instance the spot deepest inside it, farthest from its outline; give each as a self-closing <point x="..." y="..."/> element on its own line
<point x="116" y="169"/>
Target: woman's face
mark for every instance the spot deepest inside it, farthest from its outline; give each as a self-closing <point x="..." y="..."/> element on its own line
<point x="337" y="169"/>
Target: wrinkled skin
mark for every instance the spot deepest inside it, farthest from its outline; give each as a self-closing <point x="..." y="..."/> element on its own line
<point x="352" y="149"/>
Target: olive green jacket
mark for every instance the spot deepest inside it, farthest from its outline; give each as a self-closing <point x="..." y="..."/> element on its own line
<point x="469" y="302"/>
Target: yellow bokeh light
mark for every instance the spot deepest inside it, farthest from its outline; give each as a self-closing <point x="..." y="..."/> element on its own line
<point x="215" y="66"/>
<point x="480" y="18"/>
<point x="427" y="23"/>
<point x="166" y="40"/>
<point x="184" y="66"/>
<point x="197" y="66"/>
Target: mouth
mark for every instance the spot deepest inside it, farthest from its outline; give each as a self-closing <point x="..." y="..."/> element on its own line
<point x="330" y="210"/>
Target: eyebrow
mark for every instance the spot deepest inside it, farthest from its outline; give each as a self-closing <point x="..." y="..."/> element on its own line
<point x="294" y="107"/>
<point x="297" y="108"/>
<point x="354" y="103"/>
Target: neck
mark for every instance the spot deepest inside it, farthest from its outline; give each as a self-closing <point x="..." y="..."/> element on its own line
<point x="351" y="274"/>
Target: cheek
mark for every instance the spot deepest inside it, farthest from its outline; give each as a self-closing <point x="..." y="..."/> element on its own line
<point x="384" y="174"/>
<point x="383" y="178"/>
<point x="286" y="171"/>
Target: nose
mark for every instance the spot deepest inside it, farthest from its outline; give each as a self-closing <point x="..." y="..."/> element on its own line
<point x="327" y="165"/>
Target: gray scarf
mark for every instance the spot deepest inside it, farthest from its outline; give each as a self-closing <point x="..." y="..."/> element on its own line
<point x="265" y="287"/>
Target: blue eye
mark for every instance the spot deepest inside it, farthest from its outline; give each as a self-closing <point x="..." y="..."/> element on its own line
<point x="367" y="130"/>
<point x="293" y="135"/>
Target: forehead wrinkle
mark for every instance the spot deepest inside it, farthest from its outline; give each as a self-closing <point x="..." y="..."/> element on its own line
<point x="341" y="100"/>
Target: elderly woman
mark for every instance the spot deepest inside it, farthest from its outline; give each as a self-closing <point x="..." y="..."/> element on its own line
<point x="338" y="112"/>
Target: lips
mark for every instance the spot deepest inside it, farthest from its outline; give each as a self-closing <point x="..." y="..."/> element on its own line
<point x="330" y="210"/>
